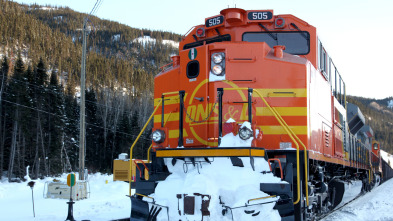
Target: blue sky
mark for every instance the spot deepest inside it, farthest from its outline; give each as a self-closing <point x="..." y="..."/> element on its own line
<point x="356" y="33"/>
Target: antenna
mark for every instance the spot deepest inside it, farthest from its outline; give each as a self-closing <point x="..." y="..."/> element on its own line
<point x="82" y="122"/>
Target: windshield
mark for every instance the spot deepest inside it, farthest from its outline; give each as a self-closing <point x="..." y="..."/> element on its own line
<point x="297" y="43"/>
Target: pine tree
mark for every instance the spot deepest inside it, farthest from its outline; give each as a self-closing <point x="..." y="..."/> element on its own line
<point x="17" y="96"/>
<point x="3" y="84"/>
<point x="71" y="131"/>
<point x="93" y="132"/>
<point x="40" y="103"/>
<point x="55" y="123"/>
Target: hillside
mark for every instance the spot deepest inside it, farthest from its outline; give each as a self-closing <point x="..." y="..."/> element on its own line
<point x="40" y="53"/>
<point x="379" y="115"/>
<point x="55" y="34"/>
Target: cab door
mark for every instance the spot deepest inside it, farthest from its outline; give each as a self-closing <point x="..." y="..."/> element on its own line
<point x="194" y="78"/>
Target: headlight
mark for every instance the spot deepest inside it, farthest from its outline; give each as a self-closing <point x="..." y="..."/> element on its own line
<point x="158" y="136"/>
<point x="217" y="69"/>
<point x="245" y="133"/>
<point x="217" y="58"/>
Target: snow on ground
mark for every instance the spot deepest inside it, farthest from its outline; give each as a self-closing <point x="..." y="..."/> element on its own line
<point x="374" y="206"/>
<point x="106" y="201"/>
<point x="147" y="39"/>
<point x="390" y="104"/>
<point x="387" y="157"/>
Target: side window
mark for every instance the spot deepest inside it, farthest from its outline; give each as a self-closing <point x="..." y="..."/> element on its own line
<point x="333" y="80"/>
<point x="343" y="94"/>
<point x="193" y="69"/>
<point x="339" y="88"/>
<point x="323" y="61"/>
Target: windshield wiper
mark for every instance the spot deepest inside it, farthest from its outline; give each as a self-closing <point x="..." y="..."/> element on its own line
<point x="301" y="32"/>
<point x="267" y="31"/>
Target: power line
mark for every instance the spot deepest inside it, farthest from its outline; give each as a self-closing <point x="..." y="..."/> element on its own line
<point x="46" y="89"/>
<point x="21" y="105"/>
<point x="95" y="8"/>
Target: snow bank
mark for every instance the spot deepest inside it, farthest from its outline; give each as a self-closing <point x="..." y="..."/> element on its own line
<point x="231" y="185"/>
<point x="387" y="157"/>
<point x="375" y="205"/>
<point x="107" y="201"/>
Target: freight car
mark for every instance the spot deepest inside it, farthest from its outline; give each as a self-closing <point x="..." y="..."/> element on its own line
<point x="251" y="122"/>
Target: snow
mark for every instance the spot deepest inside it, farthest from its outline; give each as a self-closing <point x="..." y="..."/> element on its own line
<point x="47" y="8"/>
<point x="230" y="120"/>
<point x="233" y="186"/>
<point x="116" y="37"/>
<point x="375" y="205"/>
<point x="390" y="104"/>
<point x="147" y="39"/>
<point x="106" y="201"/>
<point x="58" y="18"/>
<point x="352" y="189"/>
<point x="387" y="157"/>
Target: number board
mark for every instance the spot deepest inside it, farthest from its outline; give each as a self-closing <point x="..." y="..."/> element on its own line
<point x="260" y="16"/>
<point x="214" y="21"/>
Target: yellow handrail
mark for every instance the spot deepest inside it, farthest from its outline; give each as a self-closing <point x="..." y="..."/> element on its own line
<point x="305" y="154"/>
<point x="143" y="129"/>
<point x="140" y="133"/>
<point x="287" y="129"/>
<point x="292" y="135"/>
<point x="261" y="198"/>
<point x="170" y="93"/>
<point x="235" y="89"/>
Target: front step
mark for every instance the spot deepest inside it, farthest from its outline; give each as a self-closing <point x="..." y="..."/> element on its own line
<point x="284" y="205"/>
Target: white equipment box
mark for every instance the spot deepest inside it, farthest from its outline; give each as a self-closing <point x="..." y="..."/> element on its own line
<point x="60" y="190"/>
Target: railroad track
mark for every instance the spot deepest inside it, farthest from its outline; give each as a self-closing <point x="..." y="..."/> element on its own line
<point x="338" y="208"/>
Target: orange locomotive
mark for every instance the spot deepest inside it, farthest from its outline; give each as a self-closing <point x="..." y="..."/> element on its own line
<point x="272" y="71"/>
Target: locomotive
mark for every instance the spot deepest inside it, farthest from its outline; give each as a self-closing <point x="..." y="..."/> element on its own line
<point x="252" y="116"/>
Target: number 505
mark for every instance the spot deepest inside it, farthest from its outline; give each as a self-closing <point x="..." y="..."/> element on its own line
<point x="215" y="21"/>
<point x="259" y="16"/>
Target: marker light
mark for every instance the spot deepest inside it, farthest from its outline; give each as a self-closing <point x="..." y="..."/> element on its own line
<point x="217" y="69"/>
<point x="200" y="32"/>
<point x="158" y="136"/>
<point x="279" y="23"/>
<point x="245" y="133"/>
<point x="217" y="58"/>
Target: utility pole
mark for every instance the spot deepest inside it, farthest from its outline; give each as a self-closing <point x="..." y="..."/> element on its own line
<point x="82" y="131"/>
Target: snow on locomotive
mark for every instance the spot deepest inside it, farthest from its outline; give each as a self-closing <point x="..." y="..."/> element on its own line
<point x="251" y="122"/>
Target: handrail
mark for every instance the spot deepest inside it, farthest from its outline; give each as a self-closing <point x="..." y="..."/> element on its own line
<point x="293" y="137"/>
<point x="162" y="68"/>
<point x="305" y="155"/>
<point x="261" y="198"/>
<point x="140" y="134"/>
<point x="136" y="164"/>
<point x="291" y="134"/>
<point x="279" y="163"/>
<point x="136" y="140"/>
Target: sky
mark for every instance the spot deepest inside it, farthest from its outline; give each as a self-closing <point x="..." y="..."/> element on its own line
<point x="357" y="34"/>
